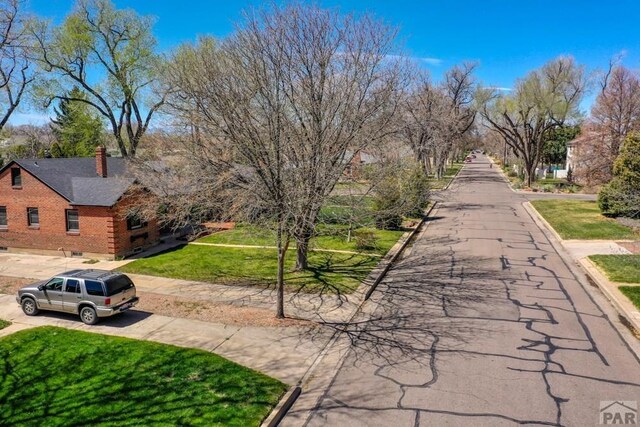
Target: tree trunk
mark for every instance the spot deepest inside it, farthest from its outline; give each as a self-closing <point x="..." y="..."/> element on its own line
<point x="302" y="253"/>
<point x="280" y="284"/>
<point x="283" y="245"/>
<point x="529" y="173"/>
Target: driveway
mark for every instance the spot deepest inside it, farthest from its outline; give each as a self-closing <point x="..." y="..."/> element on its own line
<point x="284" y="353"/>
<point x="482" y="323"/>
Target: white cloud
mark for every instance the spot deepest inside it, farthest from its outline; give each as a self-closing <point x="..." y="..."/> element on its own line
<point x="501" y="88"/>
<point x="426" y="60"/>
<point x="431" y="61"/>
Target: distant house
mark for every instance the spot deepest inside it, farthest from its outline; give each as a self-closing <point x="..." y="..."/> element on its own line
<point x="353" y="169"/>
<point x="79" y="206"/>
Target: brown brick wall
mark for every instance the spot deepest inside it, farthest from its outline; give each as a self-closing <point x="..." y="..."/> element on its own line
<point x="121" y="241"/>
<point x="101" y="229"/>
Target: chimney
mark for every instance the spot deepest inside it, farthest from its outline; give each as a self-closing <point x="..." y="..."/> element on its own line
<point x="101" y="161"/>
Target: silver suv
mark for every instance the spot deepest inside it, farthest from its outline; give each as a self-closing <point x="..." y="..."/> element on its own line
<point x="89" y="293"/>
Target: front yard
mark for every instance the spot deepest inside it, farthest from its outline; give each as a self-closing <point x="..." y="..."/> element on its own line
<point x="209" y="260"/>
<point x="582" y="220"/>
<point x="450" y="173"/>
<point x="52" y="376"/>
<point x="328" y="272"/>
<point x="633" y="293"/>
<point x="330" y="236"/>
<point x="619" y="268"/>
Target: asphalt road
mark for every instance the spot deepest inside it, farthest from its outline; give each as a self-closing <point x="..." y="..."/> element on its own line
<point x="483" y="323"/>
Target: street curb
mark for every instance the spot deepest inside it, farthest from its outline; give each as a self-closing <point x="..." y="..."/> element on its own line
<point x="337" y="333"/>
<point x="396" y="255"/>
<point x="617" y="299"/>
<point x="283" y="406"/>
<point x="453" y="178"/>
<point x="533" y="211"/>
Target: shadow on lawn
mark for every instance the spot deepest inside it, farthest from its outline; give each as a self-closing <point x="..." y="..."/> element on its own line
<point x="61" y="377"/>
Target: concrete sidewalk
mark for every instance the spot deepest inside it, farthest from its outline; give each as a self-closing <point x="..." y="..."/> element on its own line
<point x="583" y="248"/>
<point x="41" y="267"/>
<point x="284" y="353"/>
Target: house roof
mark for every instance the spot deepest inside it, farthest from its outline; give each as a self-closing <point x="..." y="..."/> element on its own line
<point x="76" y="180"/>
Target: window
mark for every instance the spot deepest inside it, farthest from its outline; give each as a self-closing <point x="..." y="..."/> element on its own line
<point x="94" y="288"/>
<point x="33" y="219"/>
<point x="73" y="286"/>
<point x="54" y="284"/>
<point x="3" y="217"/>
<point x="134" y="222"/>
<point x="118" y="284"/>
<point x="16" y="178"/>
<point x="73" y="220"/>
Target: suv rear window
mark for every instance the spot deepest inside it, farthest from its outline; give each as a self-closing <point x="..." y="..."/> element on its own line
<point x="94" y="288"/>
<point x="118" y="284"/>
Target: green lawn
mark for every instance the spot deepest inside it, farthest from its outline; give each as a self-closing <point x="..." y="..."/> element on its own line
<point x="619" y="268"/>
<point x="4" y="323"/>
<point x="581" y="219"/>
<point x="57" y="377"/>
<point x="449" y="174"/>
<point x="330" y="236"/>
<point x="328" y="272"/>
<point x="633" y="293"/>
<point x="242" y="235"/>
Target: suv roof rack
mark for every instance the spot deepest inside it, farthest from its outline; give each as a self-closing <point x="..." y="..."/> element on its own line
<point x="90" y="273"/>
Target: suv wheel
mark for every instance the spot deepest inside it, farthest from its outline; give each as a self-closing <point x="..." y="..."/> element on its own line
<point x="29" y="307"/>
<point x="89" y="315"/>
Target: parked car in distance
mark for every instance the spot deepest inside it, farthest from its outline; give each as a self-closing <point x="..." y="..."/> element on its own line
<point x="91" y="294"/>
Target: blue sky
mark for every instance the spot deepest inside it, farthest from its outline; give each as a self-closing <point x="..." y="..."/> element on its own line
<point x="507" y="37"/>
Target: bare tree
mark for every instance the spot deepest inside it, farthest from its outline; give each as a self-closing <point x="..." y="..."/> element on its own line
<point x="341" y="87"/>
<point x="545" y="99"/>
<point x="292" y="95"/>
<point x="15" y="73"/>
<point x="30" y="141"/>
<point x="436" y="117"/>
<point x="424" y="108"/>
<point x="617" y="107"/>
<point x="99" y="40"/>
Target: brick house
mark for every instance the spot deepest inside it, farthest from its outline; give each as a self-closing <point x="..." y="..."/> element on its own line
<point x="78" y="206"/>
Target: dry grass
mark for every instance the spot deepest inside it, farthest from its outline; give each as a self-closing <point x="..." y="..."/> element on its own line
<point x="228" y="314"/>
<point x="10" y="285"/>
<point x="168" y="305"/>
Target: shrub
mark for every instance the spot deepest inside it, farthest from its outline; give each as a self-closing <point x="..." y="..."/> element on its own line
<point x="512" y="174"/>
<point x="402" y="191"/>
<point x="548" y="188"/>
<point x="365" y="240"/>
<point x="621" y="197"/>
<point x="615" y="199"/>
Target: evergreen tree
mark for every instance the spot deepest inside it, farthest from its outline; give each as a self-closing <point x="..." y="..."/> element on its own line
<point x="77" y="131"/>
<point x="621" y="197"/>
<point x="554" y="150"/>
